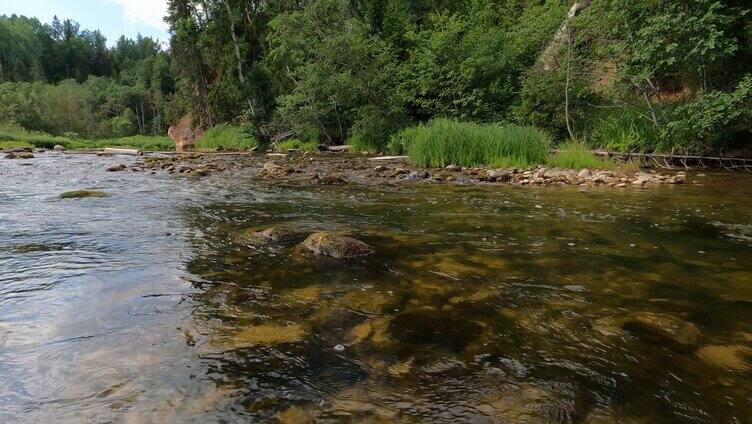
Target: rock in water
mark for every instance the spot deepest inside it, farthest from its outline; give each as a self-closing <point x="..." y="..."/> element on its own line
<point x="664" y="328"/>
<point x="184" y="135"/>
<point x="58" y="148"/>
<point x="81" y="194"/>
<point x="336" y="246"/>
<point x="117" y="168"/>
<point x="277" y="234"/>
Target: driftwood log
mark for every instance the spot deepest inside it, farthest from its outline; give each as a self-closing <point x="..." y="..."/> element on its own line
<point x="128" y="152"/>
<point x="686" y="161"/>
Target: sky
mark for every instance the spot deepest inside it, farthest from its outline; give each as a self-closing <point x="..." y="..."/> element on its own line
<point x="112" y="17"/>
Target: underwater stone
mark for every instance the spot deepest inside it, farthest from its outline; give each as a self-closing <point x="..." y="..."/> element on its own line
<point x="81" y="194"/>
<point x="336" y="246"/>
<point x="662" y="327"/>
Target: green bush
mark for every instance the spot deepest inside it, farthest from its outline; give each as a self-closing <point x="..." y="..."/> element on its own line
<point x="227" y="137"/>
<point x="442" y="142"/>
<point x="297" y="144"/>
<point x="576" y="155"/>
<point x="624" y="131"/>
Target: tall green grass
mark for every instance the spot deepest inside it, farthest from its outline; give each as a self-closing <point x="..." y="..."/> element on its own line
<point x="11" y="133"/>
<point x="227" y="137"/>
<point x="576" y="155"/>
<point x="443" y="142"/>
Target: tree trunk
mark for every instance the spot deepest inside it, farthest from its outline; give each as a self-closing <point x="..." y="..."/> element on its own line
<point x="235" y="42"/>
<point x="547" y="61"/>
<point x="569" y="82"/>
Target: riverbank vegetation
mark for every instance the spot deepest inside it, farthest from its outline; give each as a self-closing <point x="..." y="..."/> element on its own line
<point x="663" y="76"/>
<point x="13" y="136"/>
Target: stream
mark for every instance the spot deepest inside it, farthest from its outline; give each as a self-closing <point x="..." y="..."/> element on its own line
<point x="482" y="304"/>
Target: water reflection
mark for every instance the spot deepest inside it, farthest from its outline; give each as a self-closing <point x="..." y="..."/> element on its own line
<point x="480" y="305"/>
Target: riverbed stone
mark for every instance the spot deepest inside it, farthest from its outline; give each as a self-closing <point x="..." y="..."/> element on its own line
<point x="525" y="404"/>
<point x="81" y="194"/>
<point x="117" y="168"/>
<point x="267" y="334"/>
<point x="58" y="148"/>
<point x="336" y="246"/>
<point x="733" y="357"/>
<point x="276" y="234"/>
<point x="663" y="328"/>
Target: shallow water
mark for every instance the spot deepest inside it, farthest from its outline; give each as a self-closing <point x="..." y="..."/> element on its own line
<point x="482" y="304"/>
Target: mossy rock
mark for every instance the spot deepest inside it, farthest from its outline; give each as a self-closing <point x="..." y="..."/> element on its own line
<point x="82" y="194"/>
<point x="336" y="246"/>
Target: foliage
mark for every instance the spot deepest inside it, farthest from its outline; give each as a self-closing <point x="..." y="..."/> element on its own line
<point x="624" y="131"/>
<point x="227" y="137"/>
<point x="297" y="144"/>
<point x="717" y="117"/>
<point x="443" y="142"/>
<point x="576" y="155"/>
<point x="657" y="75"/>
<point x="14" y="136"/>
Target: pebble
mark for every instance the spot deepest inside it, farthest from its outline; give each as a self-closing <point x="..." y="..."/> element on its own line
<point x="339" y="348"/>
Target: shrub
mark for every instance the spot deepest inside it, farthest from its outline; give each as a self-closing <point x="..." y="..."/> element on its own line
<point x="297" y="144"/>
<point x="227" y="137"/>
<point x="624" y="131"/>
<point x="576" y="155"/>
<point x="442" y="142"/>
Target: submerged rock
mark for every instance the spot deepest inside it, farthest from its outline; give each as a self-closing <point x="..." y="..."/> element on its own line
<point x="267" y="334"/>
<point x="276" y="234"/>
<point x="663" y="327"/>
<point x="336" y="246"/>
<point x="81" y="194"/>
<point x="735" y="357"/>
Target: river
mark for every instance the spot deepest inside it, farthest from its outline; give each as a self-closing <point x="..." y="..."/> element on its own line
<point x="481" y="304"/>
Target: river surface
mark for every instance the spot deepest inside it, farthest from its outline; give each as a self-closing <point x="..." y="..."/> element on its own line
<point x="482" y="304"/>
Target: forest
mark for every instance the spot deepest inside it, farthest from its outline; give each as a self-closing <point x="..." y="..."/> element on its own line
<point x="643" y="76"/>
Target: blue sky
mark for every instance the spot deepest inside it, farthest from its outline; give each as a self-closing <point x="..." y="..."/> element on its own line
<point x="112" y="17"/>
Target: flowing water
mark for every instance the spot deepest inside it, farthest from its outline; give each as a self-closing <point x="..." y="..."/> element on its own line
<point x="482" y="304"/>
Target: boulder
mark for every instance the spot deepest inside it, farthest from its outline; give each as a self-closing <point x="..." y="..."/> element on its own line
<point x="272" y="170"/>
<point x="585" y="173"/>
<point x="184" y="135"/>
<point x="336" y="246"/>
<point x="58" y="148"/>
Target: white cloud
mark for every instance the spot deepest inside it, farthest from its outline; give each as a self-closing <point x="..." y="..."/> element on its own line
<point x="145" y="12"/>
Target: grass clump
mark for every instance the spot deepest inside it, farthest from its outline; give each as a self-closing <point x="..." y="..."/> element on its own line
<point x="140" y="142"/>
<point x="575" y="155"/>
<point x="443" y="142"/>
<point x="13" y="136"/>
<point x="25" y="138"/>
<point x="14" y="144"/>
<point x="297" y="144"/>
<point x="227" y="137"/>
